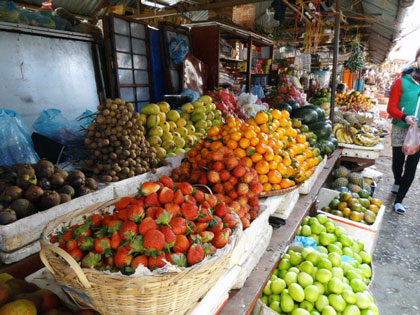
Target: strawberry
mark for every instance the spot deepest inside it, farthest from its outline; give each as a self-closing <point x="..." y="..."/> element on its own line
<point x="115" y="240"/>
<point x="150" y="213"/>
<point x="227" y="186"/>
<point x="163" y="218"/>
<point x="242" y="189"/>
<point x="91" y="260"/>
<point x="152" y="200"/>
<point x="178" y="225"/>
<point x="194" y="238"/>
<point x="245" y="222"/>
<point x="209" y="249"/>
<point x="96" y="220"/>
<point x="227" y="230"/>
<point x="123" y="203"/>
<point x="86" y="243"/>
<point x="139" y="260"/>
<point x="107" y="218"/>
<point x="149" y="188"/>
<point x="239" y="171"/>
<point x="253" y="201"/>
<point x="154" y="241"/>
<point x="166" y="195"/>
<point x="204" y="215"/>
<point x="218" y="188"/>
<point x="135" y="213"/>
<point x="170" y="237"/>
<point x="157" y="262"/>
<point x="220" y="239"/>
<point x="189" y="211"/>
<point x="220" y="197"/>
<point x="114" y="225"/>
<point x="173" y="209"/>
<point x="215" y="224"/>
<point x="201" y="226"/>
<point x="233" y="180"/>
<point x="213" y="177"/>
<point x="243" y="201"/>
<point x="70" y="245"/>
<point x="211" y="199"/>
<point x="181" y="244"/>
<point x="122" y="214"/>
<point x="235" y="206"/>
<point x="136" y="245"/>
<point x="167" y="181"/>
<point x="224" y="175"/>
<point x="199" y="195"/>
<point x="109" y="261"/>
<point x="205" y="205"/>
<point x="206" y="236"/>
<point x="253" y="214"/>
<point x="212" y="250"/>
<point x="221" y="210"/>
<point x="146" y="225"/>
<point x="191" y="228"/>
<point x="248" y="178"/>
<point x="218" y="166"/>
<point x="233" y="194"/>
<point x="122" y="257"/>
<point x="203" y="180"/>
<point x="128" y="230"/>
<point x="178" y="197"/>
<point x="53" y="239"/>
<point x="231" y="163"/>
<point x="195" y="254"/>
<point x="102" y="245"/>
<point x="67" y="236"/>
<point x="139" y="201"/>
<point x="177" y="259"/>
<point x="186" y="188"/>
<point x="76" y="254"/>
<point x="190" y="199"/>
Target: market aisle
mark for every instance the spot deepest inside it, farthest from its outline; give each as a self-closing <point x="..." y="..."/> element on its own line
<point x="397" y="256"/>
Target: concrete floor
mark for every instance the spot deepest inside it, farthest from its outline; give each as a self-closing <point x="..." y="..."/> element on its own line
<point x="396" y="283"/>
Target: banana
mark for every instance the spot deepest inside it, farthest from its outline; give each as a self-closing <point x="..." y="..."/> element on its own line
<point x="340" y="135"/>
<point x="336" y="127"/>
<point x="349" y="139"/>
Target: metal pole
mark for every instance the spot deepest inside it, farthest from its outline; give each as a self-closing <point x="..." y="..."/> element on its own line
<point x="335" y="55"/>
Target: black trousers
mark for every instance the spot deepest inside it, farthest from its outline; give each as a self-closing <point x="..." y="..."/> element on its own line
<point x="404" y="169"/>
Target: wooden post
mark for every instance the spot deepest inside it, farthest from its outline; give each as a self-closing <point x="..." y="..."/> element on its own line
<point x="335" y="56"/>
<point x="249" y="65"/>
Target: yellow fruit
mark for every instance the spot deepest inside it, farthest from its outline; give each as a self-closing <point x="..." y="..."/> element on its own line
<point x="160" y="152"/>
<point x="190" y="128"/>
<point x="198" y="103"/>
<point x="176" y="135"/>
<point x="152" y="121"/>
<point x="182" y="131"/>
<point x="187" y="108"/>
<point x="164" y="107"/>
<point x="143" y="119"/>
<point x="169" y="145"/>
<point x="162" y="116"/>
<point x="181" y="122"/>
<point x="154" y="141"/>
<point x="164" y="125"/>
<point x="172" y="126"/>
<point x="185" y="115"/>
<point x="206" y="99"/>
<point x="189" y="141"/>
<point x="180" y="142"/>
<point x="172" y="115"/>
<point x="179" y="151"/>
<point x="150" y="109"/>
<point x="19" y="307"/>
<point x="155" y="131"/>
<point x="167" y="136"/>
<point x="202" y="124"/>
<point x="4" y="277"/>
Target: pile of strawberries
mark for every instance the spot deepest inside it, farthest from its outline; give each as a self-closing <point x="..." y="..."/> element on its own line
<point x="167" y="223"/>
<point x="229" y="178"/>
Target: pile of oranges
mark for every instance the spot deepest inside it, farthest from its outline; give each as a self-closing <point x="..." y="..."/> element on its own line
<point x="268" y="143"/>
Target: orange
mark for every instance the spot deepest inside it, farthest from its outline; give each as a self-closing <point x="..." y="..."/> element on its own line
<point x="300" y="176"/>
<point x="213" y="131"/>
<point x="255" y="141"/>
<point x="301" y="138"/>
<point x="276" y="114"/>
<point x="283" y="122"/>
<point x="290" y="171"/>
<point x="308" y="153"/>
<point x="262" y="167"/>
<point x="300" y="158"/>
<point x="230" y="122"/>
<point x="273" y="165"/>
<point x="278" y="159"/>
<point x="282" y="169"/>
<point x="290" y="132"/>
<point x="250" y="150"/>
<point x="267" y="187"/>
<point x="232" y="144"/>
<point x="276" y="187"/>
<point x="286" y="183"/>
<point x="261" y="118"/>
<point x="248" y="161"/>
<point x="269" y="156"/>
<point x="249" y="134"/>
<point x="236" y="136"/>
<point x="274" y="177"/>
<point x="264" y="128"/>
<point x="207" y="144"/>
<point x="256" y="157"/>
<point x="285" y="114"/>
<point x="244" y="143"/>
<point x="216" y="145"/>
<point x="240" y="153"/>
<point x="263" y="179"/>
<point x="261" y="148"/>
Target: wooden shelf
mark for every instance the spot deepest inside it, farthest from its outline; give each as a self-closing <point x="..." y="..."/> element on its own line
<point x="243" y="301"/>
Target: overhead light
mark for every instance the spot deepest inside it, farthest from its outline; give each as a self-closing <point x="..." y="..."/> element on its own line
<point x="153" y="4"/>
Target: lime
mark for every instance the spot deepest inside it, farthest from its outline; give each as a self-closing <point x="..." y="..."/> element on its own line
<point x="307" y="267"/>
<point x="320" y="287"/>
<point x="322" y="249"/>
<point x="357" y="257"/>
<point x="339" y="230"/>
<point x="307" y="306"/>
<point x="313" y="257"/>
<point x="335" y="285"/>
<point x="323" y="275"/>
<point x="367" y="312"/>
<point x="275" y="306"/>
<point x="281" y="273"/>
<point x="264" y="299"/>
<point x="330" y="226"/>
<point x="349" y="296"/>
<point x="316" y="228"/>
<point x="352" y="274"/>
<point x="295" y="258"/>
<point x="304" y="279"/>
<point x="290" y="277"/>
<point x="325" y="263"/>
<point x="315" y="313"/>
<point x="346" y="240"/>
<point x="348" y="252"/>
<point x="316" y="237"/>
<point x="322" y="218"/>
<point x="294" y="269"/>
<point x="267" y="288"/>
<point x="335" y="259"/>
<point x="351" y="310"/>
<point x="338" y="272"/>
<point x="300" y="311"/>
<point x="306" y="251"/>
<point x="329" y="310"/>
<point x="362" y="301"/>
<point x="273" y="297"/>
<point x="346" y="267"/>
<point x="311" y="293"/>
<point x="324" y="239"/>
<point x="284" y="264"/>
<point x="374" y="309"/>
<point x="296" y="292"/>
<point x="366" y="258"/>
<point x="334" y="248"/>
<point x="322" y="302"/>
<point x="337" y="302"/>
<point x="367" y="271"/>
<point x="306" y="230"/>
<point x="273" y="277"/>
<point x="305" y="221"/>
<point x="286" y="302"/>
<point x="357" y="285"/>
<point x="277" y="286"/>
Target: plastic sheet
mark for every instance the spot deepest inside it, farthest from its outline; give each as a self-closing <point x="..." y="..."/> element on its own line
<point x="15" y="142"/>
<point x="9" y="12"/>
<point x="178" y="49"/>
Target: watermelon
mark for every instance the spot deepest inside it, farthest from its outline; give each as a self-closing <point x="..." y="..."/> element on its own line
<point x="322" y="129"/>
<point x="294" y="104"/>
<point x="326" y="147"/>
<point x="306" y="115"/>
<point x="284" y="106"/>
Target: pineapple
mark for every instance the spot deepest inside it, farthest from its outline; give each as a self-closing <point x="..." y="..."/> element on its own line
<point x="356" y="178"/>
<point x="340" y="182"/>
<point x="354" y="188"/>
<point x="341" y="171"/>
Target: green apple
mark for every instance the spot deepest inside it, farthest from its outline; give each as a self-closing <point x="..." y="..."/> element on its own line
<point x="323" y="275"/>
<point x="273" y="297"/>
<point x="264" y="299"/>
<point x="277" y="286"/>
<point x="304" y="279"/>
<point x="295" y="258"/>
<point x="306" y="251"/>
<point x="351" y="310"/>
<point x="325" y="263"/>
<point x="307" y="267"/>
<point x="313" y="257"/>
<point x="306" y="230"/>
<point x="296" y="292"/>
<point x="300" y="311"/>
<point x="286" y="302"/>
<point x="275" y="306"/>
<point x="284" y="264"/>
<point x="322" y="218"/>
<point x="337" y="302"/>
<point x="311" y="293"/>
<point x="335" y="259"/>
<point x="290" y="277"/>
<point x="330" y="226"/>
<point x="267" y="288"/>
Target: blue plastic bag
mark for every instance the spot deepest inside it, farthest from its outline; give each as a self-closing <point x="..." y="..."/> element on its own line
<point x="258" y="91"/>
<point x="178" y="49"/>
<point x="52" y="124"/>
<point x="304" y="241"/>
<point x="193" y="93"/>
<point x="15" y="142"/>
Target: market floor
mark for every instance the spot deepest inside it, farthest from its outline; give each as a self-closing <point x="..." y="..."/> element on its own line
<point x="396" y="282"/>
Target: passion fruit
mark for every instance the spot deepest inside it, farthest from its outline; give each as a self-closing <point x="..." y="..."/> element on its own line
<point x="64" y="198"/>
<point x="44" y="183"/>
<point x="56" y="180"/>
<point x="22" y="207"/>
<point x="33" y="193"/>
<point x="44" y="168"/>
<point x="49" y="199"/>
<point x="25" y="169"/>
<point x="14" y="192"/>
<point x="7" y="216"/>
<point x="91" y="183"/>
<point x="76" y="179"/>
<point x="62" y="172"/>
<point x="68" y="190"/>
<point x="81" y="191"/>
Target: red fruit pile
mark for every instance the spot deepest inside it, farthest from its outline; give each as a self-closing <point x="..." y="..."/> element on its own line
<point x="230" y="180"/>
<point x="227" y="103"/>
<point x="169" y="221"/>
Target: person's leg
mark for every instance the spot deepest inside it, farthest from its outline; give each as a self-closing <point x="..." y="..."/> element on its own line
<point x="398" y="158"/>
<point x="408" y="176"/>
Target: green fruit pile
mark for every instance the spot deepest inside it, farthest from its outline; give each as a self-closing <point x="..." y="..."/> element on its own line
<point x="358" y="207"/>
<point x="171" y="132"/>
<point x="346" y="181"/>
<point x="318" y="282"/>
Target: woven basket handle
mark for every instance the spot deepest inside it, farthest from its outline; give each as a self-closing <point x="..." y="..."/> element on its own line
<point x="204" y="186"/>
<point x="70" y="260"/>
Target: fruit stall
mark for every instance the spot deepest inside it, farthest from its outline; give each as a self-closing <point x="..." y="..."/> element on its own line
<point x="196" y="181"/>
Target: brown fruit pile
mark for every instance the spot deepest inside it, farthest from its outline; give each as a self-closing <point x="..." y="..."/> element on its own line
<point x="116" y="139"/>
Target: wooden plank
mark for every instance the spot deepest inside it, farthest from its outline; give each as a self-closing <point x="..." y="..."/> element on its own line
<point x="243" y="301"/>
<point x="23" y="268"/>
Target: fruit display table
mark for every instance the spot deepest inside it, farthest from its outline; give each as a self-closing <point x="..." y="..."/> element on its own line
<point x="243" y="301"/>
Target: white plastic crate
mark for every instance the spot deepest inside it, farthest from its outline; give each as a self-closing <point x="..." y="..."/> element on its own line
<point x="307" y="185"/>
<point x="368" y="234"/>
<point x="21" y="253"/>
<point x="284" y="210"/>
<point x="352" y="150"/>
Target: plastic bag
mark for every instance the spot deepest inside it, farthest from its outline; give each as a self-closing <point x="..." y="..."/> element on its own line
<point x="15" y="142"/>
<point x="9" y="12"/>
<point x="35" y="19"/>
<point x="304" y="241"/>
<point x="178" y="49"/>
<point x="52" y="124"/>
<point x="411" y="141"/>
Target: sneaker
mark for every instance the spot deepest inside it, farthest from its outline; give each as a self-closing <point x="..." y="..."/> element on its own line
<point x="395" y="189"/>
<point x="399" y="208"/>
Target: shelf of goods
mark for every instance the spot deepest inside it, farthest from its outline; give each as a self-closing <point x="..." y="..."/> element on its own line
<point x="244" y="300"/>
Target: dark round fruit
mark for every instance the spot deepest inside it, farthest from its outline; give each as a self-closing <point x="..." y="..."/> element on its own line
<point x="25" y="169"/>
<point x="76" y="179"/>
<point x="22" y="207"/>
<point x="44" y="168"/>
<point x="91" y="183"/>
<point x="25" y="181"/>
<point x="64" y="198"/>
<point x="33" y="193"/>
<point x="44" y="183"/>
<point x="81" y="191"/>
<point x="7" y="216"/>
<point x="14" y="192"/>
<point x="62" y="172"/>
<point x="49" y="199"/>
<point x="68" y="190"/>
<point x="56" y="181"/>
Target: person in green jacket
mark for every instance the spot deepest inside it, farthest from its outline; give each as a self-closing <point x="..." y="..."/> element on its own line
<point x="403" y="100"/>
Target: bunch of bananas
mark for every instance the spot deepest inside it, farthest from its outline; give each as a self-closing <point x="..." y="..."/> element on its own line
<point x="351" y="135"/>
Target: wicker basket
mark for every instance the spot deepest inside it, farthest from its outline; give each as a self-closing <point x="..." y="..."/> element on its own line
<point x="278" y="192"/>
<point x="173" y="292"/>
